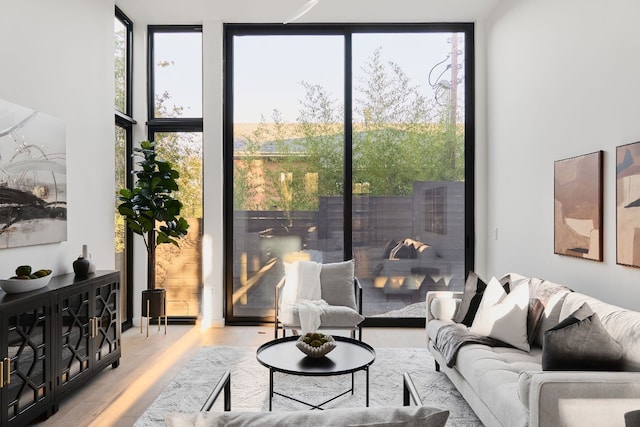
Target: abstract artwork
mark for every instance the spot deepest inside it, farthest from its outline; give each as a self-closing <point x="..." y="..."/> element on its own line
<point x="33" y="177"/>
<point x="628" y="204"/>
<point x="578" y="206"/>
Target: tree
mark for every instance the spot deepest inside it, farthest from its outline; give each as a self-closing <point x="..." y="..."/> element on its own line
<point x="149" y="208"/>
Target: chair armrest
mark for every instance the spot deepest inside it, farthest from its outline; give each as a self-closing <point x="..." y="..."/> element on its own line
<point x="224" y="383"/>
<point x="439" y="294"/>
<point x="409" y="391"/>
<point x="277" y="305"/>
<point x="572" y="398"/>
<point x="358" y="292"/>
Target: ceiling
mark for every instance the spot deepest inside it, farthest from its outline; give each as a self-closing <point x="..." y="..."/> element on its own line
<point x="272" y="11"/>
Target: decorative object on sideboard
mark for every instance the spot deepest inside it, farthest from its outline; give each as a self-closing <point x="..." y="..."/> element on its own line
<point x="578" y="206"/>
<point x="26" y="280"/>
<point x="33" y="177"/>
<point x="86" y="255"/>
<point x="81" y="267"/>
<point x="628" y="204"/>
<point x="152" y="212"/>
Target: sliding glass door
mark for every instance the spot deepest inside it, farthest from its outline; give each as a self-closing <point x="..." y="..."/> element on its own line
<point x="319" y="118"/>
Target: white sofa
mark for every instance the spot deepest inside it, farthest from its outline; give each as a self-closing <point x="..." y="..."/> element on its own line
<point x="508" y="387"/>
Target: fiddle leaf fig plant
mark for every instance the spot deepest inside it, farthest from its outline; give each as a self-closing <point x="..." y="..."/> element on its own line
<point x="149" y="208"/>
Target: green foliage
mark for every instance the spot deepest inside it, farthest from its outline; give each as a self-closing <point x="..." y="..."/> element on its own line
<point x="150" y="206"/>
<point x="399" y="137"/>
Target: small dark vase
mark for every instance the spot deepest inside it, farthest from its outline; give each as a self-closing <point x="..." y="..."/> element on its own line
<point x="81" y="267"/>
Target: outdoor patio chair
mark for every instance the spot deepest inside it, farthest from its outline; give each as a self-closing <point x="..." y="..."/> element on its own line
<point x="338" y="287"/>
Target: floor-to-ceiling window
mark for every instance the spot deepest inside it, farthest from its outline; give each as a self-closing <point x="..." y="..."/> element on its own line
<point x="348" y="141"/>
<point x="123" y="34"/>
<point x="175" y="124"/>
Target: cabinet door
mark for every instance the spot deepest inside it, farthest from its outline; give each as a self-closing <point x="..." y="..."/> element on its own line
<point x="26" y="332"/>
<point x="74" y="335"/>
<point x="107" y="339"/>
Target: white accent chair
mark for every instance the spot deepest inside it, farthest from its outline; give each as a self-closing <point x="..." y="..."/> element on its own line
<point x="342" y="292"/>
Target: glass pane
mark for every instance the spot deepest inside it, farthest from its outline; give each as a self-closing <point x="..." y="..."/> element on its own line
<point x="120" y="61"/>
<point x="120" y="226"/>
<point x="177" y="74"/>
<point x="408" y="168"/>
<point x="288" y="161"/>
<point x="179" y="270"/>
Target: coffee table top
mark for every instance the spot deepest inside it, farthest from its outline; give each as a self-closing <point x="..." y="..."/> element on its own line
<point x="349" y="356"/>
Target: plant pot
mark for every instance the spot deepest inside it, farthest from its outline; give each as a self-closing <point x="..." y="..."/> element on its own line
<point x="157" y="303"/>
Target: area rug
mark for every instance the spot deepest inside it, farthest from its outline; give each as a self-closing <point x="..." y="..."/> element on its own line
<point x="250" y="384"/>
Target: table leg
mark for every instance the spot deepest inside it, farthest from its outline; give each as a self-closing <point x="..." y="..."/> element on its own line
<point x="367" y="372"/>
<point x="270" y="388"/>
<point x="352" y="381"/>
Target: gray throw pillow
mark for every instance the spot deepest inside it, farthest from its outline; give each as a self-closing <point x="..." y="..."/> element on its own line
<point x="474" y="287"/>
<point x="336" y="284"/>
<point x="409" y="416"/>
<point x="580" y="343"/>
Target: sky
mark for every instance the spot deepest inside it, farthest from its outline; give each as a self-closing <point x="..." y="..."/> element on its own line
<point x="268" y="70"/>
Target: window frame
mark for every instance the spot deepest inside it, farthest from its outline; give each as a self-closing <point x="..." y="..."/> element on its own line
<point x="125" y="121"/>
<point x="169" y="124"/>
<point x="347" y="30"/>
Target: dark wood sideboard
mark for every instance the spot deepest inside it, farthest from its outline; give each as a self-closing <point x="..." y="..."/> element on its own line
<point x="53" y="340"/>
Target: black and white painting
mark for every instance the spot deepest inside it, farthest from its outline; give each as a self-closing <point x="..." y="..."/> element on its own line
<point x="33" y="177"/>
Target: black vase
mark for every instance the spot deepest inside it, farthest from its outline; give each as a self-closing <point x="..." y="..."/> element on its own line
<point x="81" y="267"/>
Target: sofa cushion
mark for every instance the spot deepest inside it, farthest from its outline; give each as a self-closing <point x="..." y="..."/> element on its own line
<point x="580" y="343"/>
<point x="503" y="316"/>
<point x="492" y="373"/>
<point x="336" y="284"/>
<point x="337" y="316"/>
<point x="389" y="416"/>
<point x="623" y="325"/>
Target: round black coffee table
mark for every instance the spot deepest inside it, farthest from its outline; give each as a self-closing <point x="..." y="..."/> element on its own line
<point x="348" y="357"/>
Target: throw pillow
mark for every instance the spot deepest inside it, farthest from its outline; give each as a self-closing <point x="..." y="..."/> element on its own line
<point x="580" y="343"/>
<point x="336" y="282"/>
<point x="534" y="318"/>
<point x="386" y="252"/>
<point x="302" y="281"/>
<point x="503" y="316"/>
<point x="474" y="286"/>
<point x="403" y="251"/>
<point x="422" y="416"/>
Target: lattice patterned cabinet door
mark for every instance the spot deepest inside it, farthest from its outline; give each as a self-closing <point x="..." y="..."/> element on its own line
<point x="107" y="340"/>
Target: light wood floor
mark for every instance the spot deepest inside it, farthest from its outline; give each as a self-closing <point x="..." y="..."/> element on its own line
<point x="117" y="397"/>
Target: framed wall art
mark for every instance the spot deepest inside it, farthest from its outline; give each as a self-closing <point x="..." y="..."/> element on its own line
<point x="578" y="206"/>
<point x="628" y="204"/>
<point x="33" y="177"/>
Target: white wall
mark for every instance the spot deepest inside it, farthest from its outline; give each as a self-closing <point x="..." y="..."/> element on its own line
<point x="57" y="58"/>
<point x="562" y="81"/>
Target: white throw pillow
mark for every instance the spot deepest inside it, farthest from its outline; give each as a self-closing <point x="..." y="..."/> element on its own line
<point x="503" y="316"/>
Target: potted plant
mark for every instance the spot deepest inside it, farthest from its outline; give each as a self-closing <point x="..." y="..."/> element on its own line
<point x="152" y="212"/>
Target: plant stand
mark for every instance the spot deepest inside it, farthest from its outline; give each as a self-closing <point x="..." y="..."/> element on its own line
<point x="154" y="304"/>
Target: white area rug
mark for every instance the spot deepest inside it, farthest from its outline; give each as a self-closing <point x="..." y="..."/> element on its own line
<point x="250" y="384"/>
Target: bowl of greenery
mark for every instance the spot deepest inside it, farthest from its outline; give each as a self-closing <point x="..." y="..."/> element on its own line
<point x="26" y="280"/>
<point x="315" y="344"/>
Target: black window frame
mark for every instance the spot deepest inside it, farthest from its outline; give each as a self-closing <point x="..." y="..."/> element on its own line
<point x="346" y="30"/>
<point x="125" y="121"/>
<point x="168" y="124"/>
